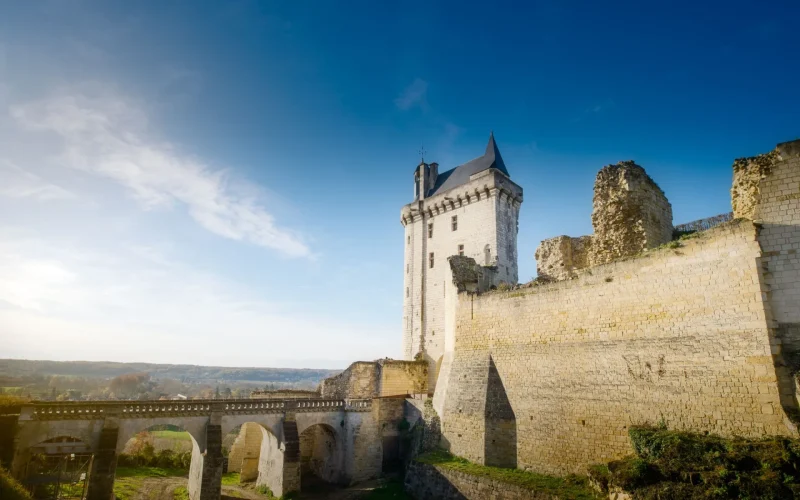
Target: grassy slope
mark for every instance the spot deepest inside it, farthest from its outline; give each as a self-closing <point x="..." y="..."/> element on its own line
<point x="129" y="480"/>
<point x="567" y="487"/>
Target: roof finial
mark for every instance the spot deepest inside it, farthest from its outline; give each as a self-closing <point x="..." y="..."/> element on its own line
<point x="422" y="153"/>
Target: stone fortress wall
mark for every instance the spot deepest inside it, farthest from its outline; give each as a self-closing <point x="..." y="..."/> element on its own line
<point x="701" y="333"/>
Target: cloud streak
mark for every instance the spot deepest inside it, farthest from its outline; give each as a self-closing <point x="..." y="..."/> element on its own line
<point x="15" y="182"/>
<point x="108" y="135"/>
<point x="415" y="94"/>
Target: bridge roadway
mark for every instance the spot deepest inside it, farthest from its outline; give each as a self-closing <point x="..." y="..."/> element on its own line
<point x="352" y="450"/>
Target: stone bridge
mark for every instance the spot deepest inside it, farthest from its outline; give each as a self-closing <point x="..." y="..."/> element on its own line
<point x="348" y="430"/>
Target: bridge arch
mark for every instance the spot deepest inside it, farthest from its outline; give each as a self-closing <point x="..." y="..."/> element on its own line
<point x="267" y="468"/>
<point x="195" y="426"/>
<point x="322" y="447"/>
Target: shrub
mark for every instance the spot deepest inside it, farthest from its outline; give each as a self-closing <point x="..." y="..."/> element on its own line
<point x="671" y="464"/>
<point x="10" y="489"/>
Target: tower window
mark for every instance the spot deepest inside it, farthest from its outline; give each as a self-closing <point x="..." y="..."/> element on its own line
<point x="454" y="222"/>
<point x="430" y="230"/>
<point x="408" y="239"/>
<point x="406" y="268"/>
<point x="461" y="250"/>
<point x="430" y="260"/>
<point x="487" y="255"/>
<point x="406" y="291"/>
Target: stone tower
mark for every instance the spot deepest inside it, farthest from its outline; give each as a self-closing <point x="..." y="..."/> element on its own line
<point x="471" y="210"/>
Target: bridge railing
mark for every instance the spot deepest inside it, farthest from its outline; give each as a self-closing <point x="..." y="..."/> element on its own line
<point x="143" y="409"/>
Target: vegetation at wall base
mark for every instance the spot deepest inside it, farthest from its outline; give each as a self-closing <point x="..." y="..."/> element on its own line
<point x="392" y="489"/>
<point x="676" y="464"/>
<point x="230" y="479"/>
<point x="10" y="489"/>
<point x="180" y="493"/>
<point x="572" y="486"/>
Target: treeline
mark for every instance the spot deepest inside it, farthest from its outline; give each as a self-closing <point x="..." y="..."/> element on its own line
<point x="15" y="368"/>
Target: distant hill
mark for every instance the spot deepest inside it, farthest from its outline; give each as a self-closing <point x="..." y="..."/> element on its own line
<point x="14" y="368"/>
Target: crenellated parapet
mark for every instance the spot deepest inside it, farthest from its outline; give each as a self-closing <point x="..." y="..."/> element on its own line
<point x="482" y="186"/>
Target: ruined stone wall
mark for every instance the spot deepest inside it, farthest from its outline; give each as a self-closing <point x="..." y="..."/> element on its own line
<point x="403" y="377"/>
<point x="677" y="334"/>
<point x="747" y="175"/>
<point x="630" y="213"/>
<point x="384" y="377"/>
<point x="558" y="258"/>
<point x="359" y="380"/>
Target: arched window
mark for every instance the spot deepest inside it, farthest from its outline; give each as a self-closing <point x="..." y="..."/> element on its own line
<point x="487" y="255"/>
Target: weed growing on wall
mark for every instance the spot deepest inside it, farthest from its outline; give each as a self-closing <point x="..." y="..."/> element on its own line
<point x="674" y="464"/>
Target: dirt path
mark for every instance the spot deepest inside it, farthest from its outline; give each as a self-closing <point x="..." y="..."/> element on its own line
<point x="159" y="488"/>
<point x="163" y="488"/>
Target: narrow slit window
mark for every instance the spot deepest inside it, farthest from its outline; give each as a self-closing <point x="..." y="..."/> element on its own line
<point x="430" y="230"/>
<point x="406" y="291"/>
<point x="454" y="222"/>
<point x="461" y="250"/>
<point x="430" y="260"/>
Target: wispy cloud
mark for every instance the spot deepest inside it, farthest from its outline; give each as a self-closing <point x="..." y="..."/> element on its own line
<point x="136" y="303"/>
<point x="15" y="182"/>
<point x="596" y="109"/>
<point x="413" y="95"/>
<point x="107" y="134"/>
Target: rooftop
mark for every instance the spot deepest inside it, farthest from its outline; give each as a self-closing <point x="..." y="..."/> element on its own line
<point x="460" y="175"/>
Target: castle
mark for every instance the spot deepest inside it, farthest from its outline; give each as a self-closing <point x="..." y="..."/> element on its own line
<point x="696" y="326"/>
<point x="471" y="210"/>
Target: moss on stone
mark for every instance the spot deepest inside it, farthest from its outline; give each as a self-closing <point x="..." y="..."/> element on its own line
<point x="574" y="487"/>
<point x="676" y="464"/>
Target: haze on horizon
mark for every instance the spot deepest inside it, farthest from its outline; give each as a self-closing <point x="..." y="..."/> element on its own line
<point x="220" y="183"/>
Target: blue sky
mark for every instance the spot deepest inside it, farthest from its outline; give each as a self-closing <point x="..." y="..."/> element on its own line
<point x="220" y="182"/>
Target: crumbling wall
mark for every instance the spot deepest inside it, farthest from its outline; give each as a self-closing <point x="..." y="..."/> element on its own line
<point x="558" y="258"/>
<point x="384" y="377"/>
<point x="359" y="380"/>
<point x="399" y="378"/>
<point x="747" y="176"/>
<point x="630" y="213"/>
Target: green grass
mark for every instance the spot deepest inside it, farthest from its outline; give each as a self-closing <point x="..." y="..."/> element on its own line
<point x="574" y="487"/>
<point x="392" y="489"/>
<point x="128" y="480"/>
<point x="230" y="479"/>
<point x="123" y="472"/>
<point x="125" y="488"/>
<point x="180" y="493"/>
<point x="175" y="435"/>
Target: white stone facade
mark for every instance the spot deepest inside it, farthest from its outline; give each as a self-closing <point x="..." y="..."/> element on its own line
<point x="478" y="218"/>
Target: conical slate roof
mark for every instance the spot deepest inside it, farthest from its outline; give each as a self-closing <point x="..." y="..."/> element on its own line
<point x="461" y="174"/>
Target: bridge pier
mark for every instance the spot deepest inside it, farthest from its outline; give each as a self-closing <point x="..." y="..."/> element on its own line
<point x="205" y="473"/>
<point x="291" y="455"/>
<point x="104" y="465"/>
